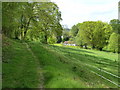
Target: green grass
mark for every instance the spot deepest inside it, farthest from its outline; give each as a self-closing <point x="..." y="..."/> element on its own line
<point x="58" y="64"/>
<point x="106" y="60"/>
<point x="62" y="66"/>
<point x="19" y="69"/>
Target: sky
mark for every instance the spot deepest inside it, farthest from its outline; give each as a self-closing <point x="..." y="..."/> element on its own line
<point x="78" y="11"/>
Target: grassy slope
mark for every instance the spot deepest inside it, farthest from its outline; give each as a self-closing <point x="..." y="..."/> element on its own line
<point x="62" y="67"/>
<point x="20" y="70"/>
<point x="106" y="61"/>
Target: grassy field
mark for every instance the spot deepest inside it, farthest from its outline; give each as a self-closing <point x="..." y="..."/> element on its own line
<point x="19" y="68"/>
<point x="73" y="67"/>
<point x="62" y="66"/>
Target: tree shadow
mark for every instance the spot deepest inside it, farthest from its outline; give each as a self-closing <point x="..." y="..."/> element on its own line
<point x="71" y="52"/>
<point x="69" y="49"/>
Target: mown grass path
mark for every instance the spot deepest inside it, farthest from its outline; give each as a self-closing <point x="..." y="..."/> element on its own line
<point x="20" y="69"/>
<point x="36" y="65"/>
<point x="39" y="68"/>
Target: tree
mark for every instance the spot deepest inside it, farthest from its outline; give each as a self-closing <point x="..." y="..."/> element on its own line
<point x="9" y="18"/>
<point x="94" y="33"/>
<point x="114" y="43"/>
<point x="52" y="39"/>
<point x="115" y="23"/>
<point x="80" y="41"/>
<point x="101" y="34"/>
<point x="65" y="34"/>
<point x="29" y="20"/>
<point x="74" y="30"/>
<point x="115" y="36"/>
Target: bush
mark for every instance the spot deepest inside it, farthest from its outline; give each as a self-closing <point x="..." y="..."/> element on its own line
<point x="113" y="43"/>
<point x="51" y="40"/>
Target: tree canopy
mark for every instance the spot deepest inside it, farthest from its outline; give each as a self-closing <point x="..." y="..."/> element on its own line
<point x="31" y="21"/>
<point x="114" y="42"/>
<point x="94" y="33"/>
<point x="74" y="30"/>
<point x="115" y="23"/>
<point x="40" y="21"/>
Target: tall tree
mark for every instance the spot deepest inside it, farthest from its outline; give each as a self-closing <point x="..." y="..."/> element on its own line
<point x="115" y="36"/>
<point x="74" y="30"/>
<point x="115" y="23"/>
<point x="95" y="33"/>
<point x="66" y="34"/>
<point x="114" y="43"/>
<point x="21" y="19"/>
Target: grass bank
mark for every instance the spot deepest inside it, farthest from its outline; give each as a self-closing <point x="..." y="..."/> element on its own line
<point x="62" y="67"/>
<point x="65" y="67"/>
<point x="19" y="68"/>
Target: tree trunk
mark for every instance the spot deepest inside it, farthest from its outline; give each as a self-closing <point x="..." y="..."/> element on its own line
<point x="93" y="47"/>
<point x="100" y="49"/>
<point x="81" y="46"/>
<point x="45" y="39"/>
<point x="16" y="34"/>
<point x="59" y="39"/>
<point x="26" y="28"/>
<point x="85" y="46"/>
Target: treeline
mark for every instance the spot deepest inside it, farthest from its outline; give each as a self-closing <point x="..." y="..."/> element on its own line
<point x="97" y="35"/>
<point x="38" y="21"/>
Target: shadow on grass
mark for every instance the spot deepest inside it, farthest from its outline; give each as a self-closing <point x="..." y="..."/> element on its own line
<point x="85" y="57"/>
<point x="54" y="68"/>
<point x="67" y="49"/>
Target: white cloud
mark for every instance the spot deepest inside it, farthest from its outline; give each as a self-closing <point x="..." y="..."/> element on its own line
<point x="74" y="11"/>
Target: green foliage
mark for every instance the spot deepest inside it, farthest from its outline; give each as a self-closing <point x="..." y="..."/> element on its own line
<point x="51" y="40"/>
<point x="115" y="23"/>
<point x="79" y="40"/>
<point x="74" y="30"/>
<point x="114" y="43"/>
<point x="102" y="34"/>
<point x="9" y="24"/>
<point x="94" y="33"/>
<point x="66" y="34"/>
<point x="22" y="20"/>
<point x="73" y="34"/>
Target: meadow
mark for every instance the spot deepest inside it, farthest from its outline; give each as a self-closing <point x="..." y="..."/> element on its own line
<point x="60" y="66"/>
<point x="33" y="55"/>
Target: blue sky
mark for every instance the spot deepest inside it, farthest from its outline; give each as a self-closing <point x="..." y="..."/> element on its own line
<point x="75" y="11"/>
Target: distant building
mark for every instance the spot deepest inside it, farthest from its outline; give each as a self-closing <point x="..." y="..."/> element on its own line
<point x="119" y="10"/>
<point x="69" y="43"/>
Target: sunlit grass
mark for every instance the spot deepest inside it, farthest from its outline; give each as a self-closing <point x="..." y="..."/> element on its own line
<point x="19" y="69"/>
<point x="62" y="66"/>
<point x="58" y="63"/>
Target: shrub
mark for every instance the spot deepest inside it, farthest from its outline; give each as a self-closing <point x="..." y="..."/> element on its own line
<point x="51" y="40"/>
<point x="113" y="43"/>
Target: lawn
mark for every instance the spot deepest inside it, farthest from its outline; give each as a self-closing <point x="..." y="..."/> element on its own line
<point x="68" y="67"/>
<point x="62" y="66"/>
<point x="19" y="68"/>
